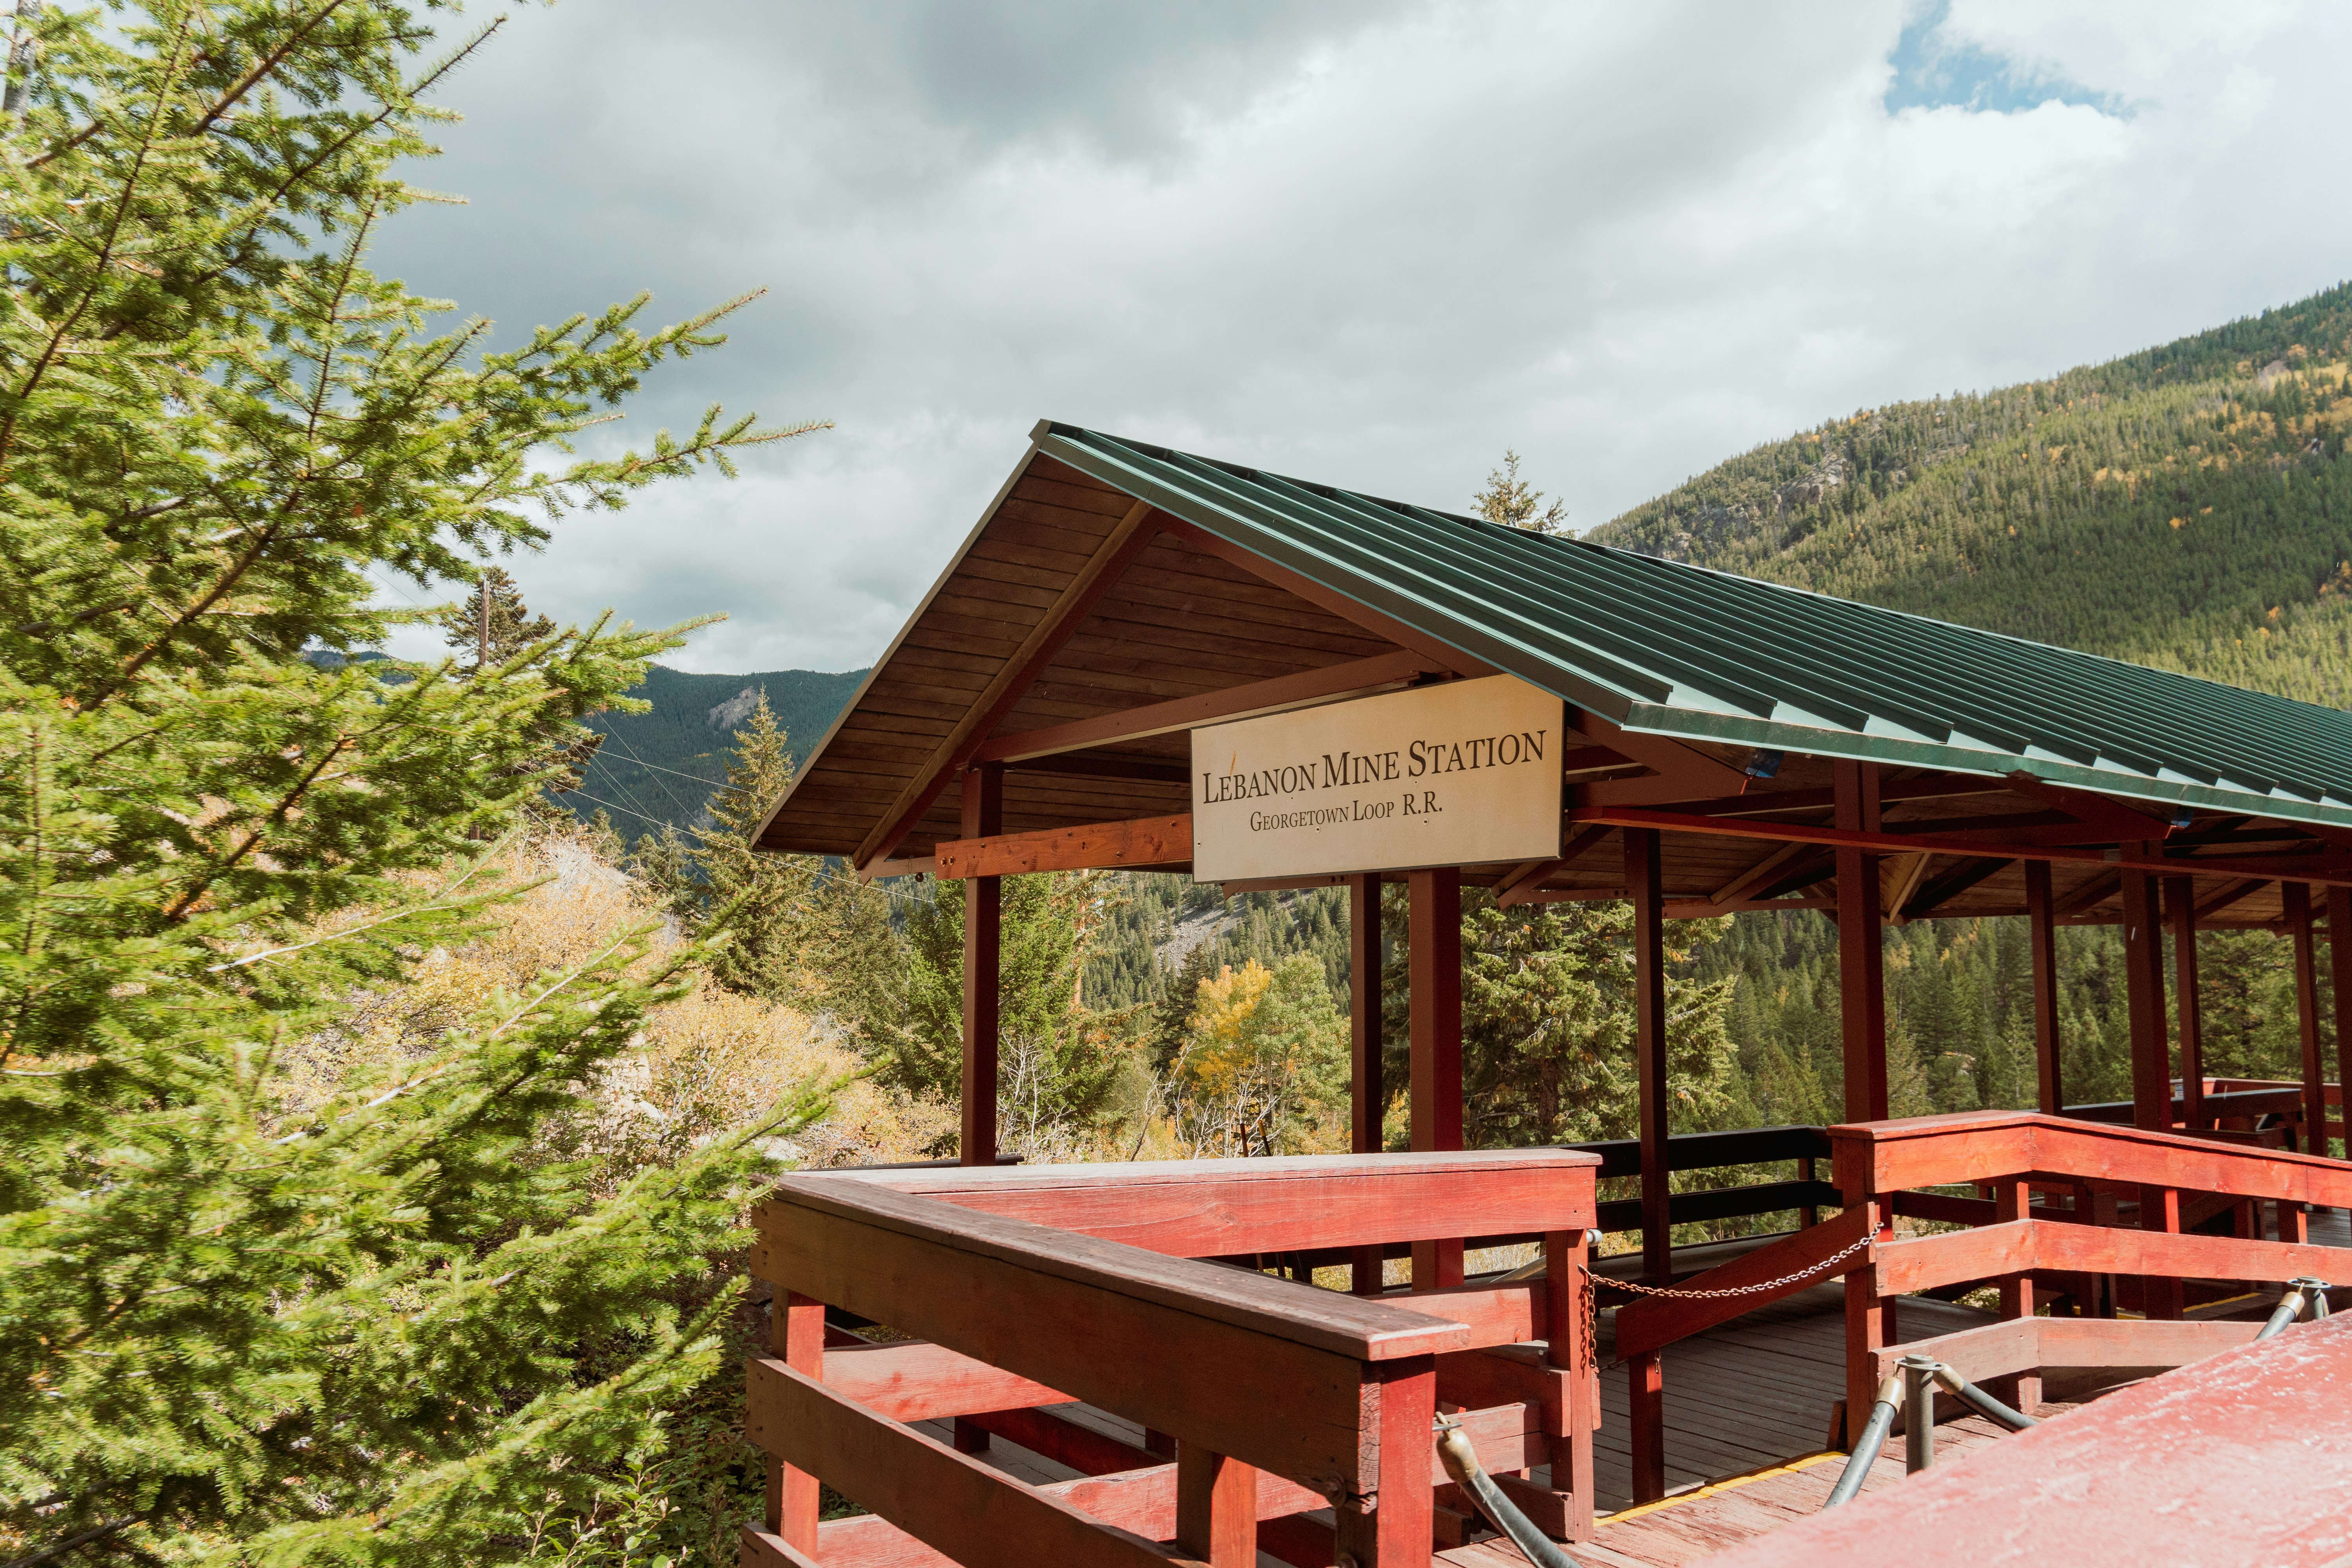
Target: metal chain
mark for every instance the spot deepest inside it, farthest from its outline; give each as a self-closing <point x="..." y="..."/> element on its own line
<point x="1730" y="1290"/>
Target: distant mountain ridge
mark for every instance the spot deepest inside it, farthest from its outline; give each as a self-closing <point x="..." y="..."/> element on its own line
<point x="661" y="765"/>
<point x="2187" y="506"/>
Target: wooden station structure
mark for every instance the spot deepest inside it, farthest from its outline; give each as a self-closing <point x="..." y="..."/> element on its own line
<point x="1726" y="746"/>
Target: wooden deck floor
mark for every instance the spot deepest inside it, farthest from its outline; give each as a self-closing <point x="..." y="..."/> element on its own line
<point x="1702" y="1522"/>
<point x="1747" y="1415"/>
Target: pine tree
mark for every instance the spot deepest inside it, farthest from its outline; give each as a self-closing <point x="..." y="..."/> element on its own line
<point x="1513" y="502"/>
<point x="1069" y="1057"/>
<point x="388" y="1328"/>
<point x="494" y="625"/>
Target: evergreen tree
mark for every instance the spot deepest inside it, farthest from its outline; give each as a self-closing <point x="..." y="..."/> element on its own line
<point x="1068" y="1059"/>
<point x="1513" y="502"/>
<point x="389" y="1328"/>
<point x="493" y="625"/>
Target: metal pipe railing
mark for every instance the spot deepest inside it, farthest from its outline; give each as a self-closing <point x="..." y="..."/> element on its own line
<point x="1460" y="1462"/>
<point x="2302" y="1294"/>
<point x="1866" y="1447"/>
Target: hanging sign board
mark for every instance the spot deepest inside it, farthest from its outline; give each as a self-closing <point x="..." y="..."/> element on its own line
<point x="1465" y="774"/>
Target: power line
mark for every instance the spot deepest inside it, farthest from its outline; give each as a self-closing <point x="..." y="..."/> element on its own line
<point x="608" y="805"/>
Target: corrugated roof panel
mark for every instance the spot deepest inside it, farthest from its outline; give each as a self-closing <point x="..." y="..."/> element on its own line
<point x="1674" y="649"/>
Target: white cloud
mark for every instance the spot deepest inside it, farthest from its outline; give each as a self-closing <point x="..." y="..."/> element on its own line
<point x="1372" y="247"/>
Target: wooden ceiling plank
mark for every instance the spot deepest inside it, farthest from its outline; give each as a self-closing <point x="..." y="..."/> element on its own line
<point x="1952" y="884"/>
<point x="1744" y="886"/>
<point x="1044" y="641"/>
<point x="1330" y="682"/>
<point x="1521" y="885"/>
<point x="1337" y="604"/>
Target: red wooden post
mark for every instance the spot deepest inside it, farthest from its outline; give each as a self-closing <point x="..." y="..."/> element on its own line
<point x="2340" y="969"/>
<point x="1436" y="1000"/>
<point x="1392" y="1526"/>
<point x="1367" y="1097"/>
<point x="1643" y="883"/>
<point x="1862" y="959"/>
<point x="1216" y="1508"/>
<point x="1645" y="1402"/>
<point x="2180" y="914"/>
<point x="2151" y="1067"/>
<point x="983" y="916"/>
<point x="1566" y="1510"/>
<point x="1869" y="1317"/>
<point x="2159" y="1210"/>
<point x="2050" y="1089"/>
<point x="796" y="1334"/>
<point x="2296" y="897"/>
<point x="2013" y="1199"/>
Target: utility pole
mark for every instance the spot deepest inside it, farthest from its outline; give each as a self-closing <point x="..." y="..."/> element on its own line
<point x="482" y="632"/>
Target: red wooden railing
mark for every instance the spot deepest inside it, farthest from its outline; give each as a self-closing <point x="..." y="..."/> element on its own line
<point x="2084" y="1214"/>
<point x="1032" y="1286"/>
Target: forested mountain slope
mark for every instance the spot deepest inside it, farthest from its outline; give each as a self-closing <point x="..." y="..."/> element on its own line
<point x="660" y="766"/>
<point x="2188" y="506"/>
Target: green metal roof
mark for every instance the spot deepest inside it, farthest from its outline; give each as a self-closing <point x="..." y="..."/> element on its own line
<point x="1673" y="649"/>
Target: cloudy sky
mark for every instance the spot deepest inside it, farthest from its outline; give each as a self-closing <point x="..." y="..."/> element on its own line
<point x="1369" y="244"/>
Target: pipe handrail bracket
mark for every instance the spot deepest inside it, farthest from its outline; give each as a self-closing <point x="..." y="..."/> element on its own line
<point x="1030" y="1287"/>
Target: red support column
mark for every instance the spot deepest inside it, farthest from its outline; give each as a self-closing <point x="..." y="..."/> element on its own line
<point x="1437" y="998"/>
<point x="1367" y="1097"/>
<point x="2180" y="915"/>
<point x="2151" y="1065"/>
<point x="1393" y="1531"/>
<point x="2013" y="1200"/>
<point x="1869" y="1317"/>
<point x="2049" y="1085"/>
<point x="1645" y="1402"/>
<point x="983" y="918"/>
<point x="1216" y="1508"/>
<point x="796" y="1334"/>
<point x="1862" y="959"/>
<point x="2339" y="971"/>
<point x="1643" y="884"/>
<point x="2296" y="897"/>
<point x="1645" y="1378"/>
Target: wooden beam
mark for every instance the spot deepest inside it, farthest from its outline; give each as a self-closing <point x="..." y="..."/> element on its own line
<point x="2329" y="869"/>
<point x="2097" y="890"/>
<point x="1909" y="873"/>
<point x="1862" y="959"/>
<point x="1699" y="908"/>
<point x="983" y="924"/>
<point x="1680" y="772"/>
<point x="1138" y="841"/>
<point x="1127" y="540"/>
<point x="1756" y="876"/>
<point x="1943" y="890"/>
<point x="1327" y="684"/>
<point x="2180" y="915"/>
<point x="2152" y="1067"/>
<point x="955" y="1504"/>
<point x="1521" y="885"/>
<point x="2041" y="939"/>
<point x="2125" y="823"/>
<point x="1434" y="998"/>
<point x="2229" y="895"/>
<point x="2339" y="969"/>
<point x="2296" y="896"/>
<point x="1076" y="766"/>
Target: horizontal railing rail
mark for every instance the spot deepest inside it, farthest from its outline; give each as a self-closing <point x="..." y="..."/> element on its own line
<point x="1027" y="1289"/>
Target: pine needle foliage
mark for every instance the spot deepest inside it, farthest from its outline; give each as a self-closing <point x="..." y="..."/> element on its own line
<point x="389" y="1328"/>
